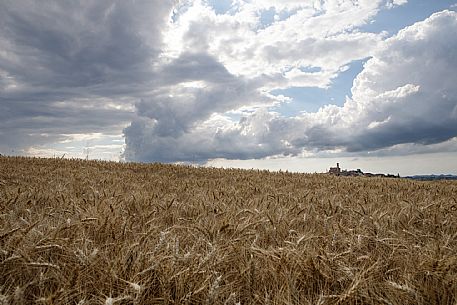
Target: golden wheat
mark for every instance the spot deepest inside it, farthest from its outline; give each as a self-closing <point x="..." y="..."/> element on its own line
<point x="91" y="232"/>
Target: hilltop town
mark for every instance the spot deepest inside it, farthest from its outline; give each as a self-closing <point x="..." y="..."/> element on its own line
<point x="337" y="171"/>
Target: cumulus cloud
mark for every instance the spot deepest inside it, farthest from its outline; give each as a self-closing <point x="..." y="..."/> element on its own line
<point x="409" y="86"/>
<point x="319" y="34"/>
<point x="405" y="94"/>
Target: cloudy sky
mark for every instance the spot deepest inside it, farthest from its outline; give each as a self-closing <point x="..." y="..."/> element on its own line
<point x="277" y="84"/>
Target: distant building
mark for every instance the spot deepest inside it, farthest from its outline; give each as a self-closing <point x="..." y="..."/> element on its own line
<point x="335" y="170"/>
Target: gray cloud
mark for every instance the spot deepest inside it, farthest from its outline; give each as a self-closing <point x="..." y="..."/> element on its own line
<point x="167" y="117"/>
<point x="79" y="44"/>
<point x="202" y="143"/>
<point x="77" y="67"/>
<point x="64" y="64"/>
<point x="176" y="107"/>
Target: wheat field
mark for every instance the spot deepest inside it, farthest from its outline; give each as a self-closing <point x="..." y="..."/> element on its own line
<point x="93" y="232"/>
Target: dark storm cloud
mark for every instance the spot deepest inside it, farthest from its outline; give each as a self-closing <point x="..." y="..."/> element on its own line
<point x="79" y="44"/>
<point x="87" y="53"/>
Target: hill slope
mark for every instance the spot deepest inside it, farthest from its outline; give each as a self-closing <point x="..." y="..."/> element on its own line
<point x="87" y="232"/>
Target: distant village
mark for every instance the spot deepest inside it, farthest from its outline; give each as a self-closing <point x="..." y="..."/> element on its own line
<point x="337" y="171"/>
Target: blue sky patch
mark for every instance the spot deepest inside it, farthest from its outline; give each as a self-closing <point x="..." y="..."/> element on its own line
<point x="220" y="6"/>
<point x="311" y="99"/>
<point x="395" y="19"/>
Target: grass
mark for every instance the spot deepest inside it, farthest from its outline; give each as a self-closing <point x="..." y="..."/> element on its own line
<point x="91" y="232"/>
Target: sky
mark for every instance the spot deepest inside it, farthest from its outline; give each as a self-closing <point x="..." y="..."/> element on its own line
<point x="272" y="84"/>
